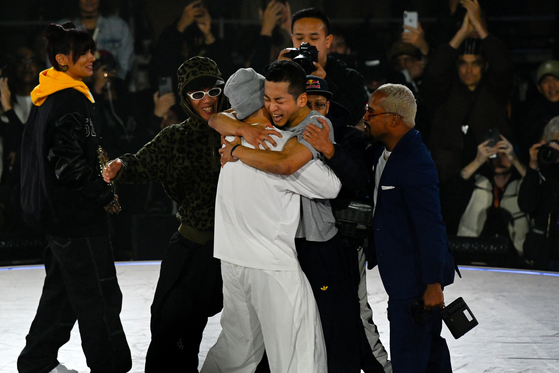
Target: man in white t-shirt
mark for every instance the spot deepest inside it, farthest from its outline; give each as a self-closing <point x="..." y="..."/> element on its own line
<point x="268" y="303"/>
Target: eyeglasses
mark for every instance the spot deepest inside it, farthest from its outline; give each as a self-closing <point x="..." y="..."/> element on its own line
<point x="371" y="112"/>
<point x="198" y="95"/>
<point x="318" y="106"/>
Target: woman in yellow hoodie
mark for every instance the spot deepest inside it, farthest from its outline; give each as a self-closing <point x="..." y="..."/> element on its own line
<point x="64" y="196"/>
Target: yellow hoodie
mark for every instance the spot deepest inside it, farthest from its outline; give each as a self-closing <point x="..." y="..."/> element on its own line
<point x="51" y="81"/>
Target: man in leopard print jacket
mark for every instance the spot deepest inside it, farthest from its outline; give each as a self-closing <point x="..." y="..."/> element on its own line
<point x="184" y="158"/>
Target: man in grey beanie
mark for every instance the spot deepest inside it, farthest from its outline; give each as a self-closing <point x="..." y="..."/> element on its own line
<point x="268" y="303"/>
<point x="245" y="90"/>
<point x="322" y="253"/>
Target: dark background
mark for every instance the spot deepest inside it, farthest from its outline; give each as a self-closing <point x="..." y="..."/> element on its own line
<point x="529" y="29"/>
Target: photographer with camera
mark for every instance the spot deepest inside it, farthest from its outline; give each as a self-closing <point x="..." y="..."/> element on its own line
<point x="310" y="34"/>
<point x="539" y="197"/>
<point x="532" y="115"/>
<point x="485" y="199"/>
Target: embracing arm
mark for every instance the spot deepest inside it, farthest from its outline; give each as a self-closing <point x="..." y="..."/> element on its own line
<point x="227" y="124"/>
<point x="293" y="156"/>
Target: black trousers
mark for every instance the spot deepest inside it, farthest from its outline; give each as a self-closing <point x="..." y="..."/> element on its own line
<point x="332" y="269"/>
<point x="81" y="285"/>
<point x="416" y="344"/>
<point x="188" y="292"/>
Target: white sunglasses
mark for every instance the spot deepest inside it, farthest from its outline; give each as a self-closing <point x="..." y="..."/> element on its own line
<point x="198" y="95"/>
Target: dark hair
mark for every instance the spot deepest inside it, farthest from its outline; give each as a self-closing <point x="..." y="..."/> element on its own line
<point x="311" y="13"/>
<point x="66" y="39"/>
<point x="289" y="72"/>
<point x="106" y="8"/>
<point x="471" y="46"/>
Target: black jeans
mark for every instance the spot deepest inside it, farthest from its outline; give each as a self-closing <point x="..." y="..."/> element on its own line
<point x="188" y="292"/>
<point x="81" y="285"/>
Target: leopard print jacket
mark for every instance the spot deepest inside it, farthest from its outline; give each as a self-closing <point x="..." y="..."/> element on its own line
<point x="183" y="157"/>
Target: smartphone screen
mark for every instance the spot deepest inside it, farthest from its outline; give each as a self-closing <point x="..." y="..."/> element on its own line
<point x="165" y="85"/>
<point x="493" y="136"/>
<point x="410" y="19"/>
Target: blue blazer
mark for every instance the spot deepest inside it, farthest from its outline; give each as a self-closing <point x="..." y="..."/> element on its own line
<point x="409" y="236"/>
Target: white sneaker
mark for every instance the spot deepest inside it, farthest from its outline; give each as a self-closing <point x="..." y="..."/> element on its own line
<point x="62" y="369"/>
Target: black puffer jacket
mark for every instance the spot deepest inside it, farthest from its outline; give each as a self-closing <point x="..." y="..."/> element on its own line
<point x="62" y="191"/>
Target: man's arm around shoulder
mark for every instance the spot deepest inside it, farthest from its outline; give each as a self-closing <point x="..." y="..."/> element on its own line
<point x="285" y="162"/>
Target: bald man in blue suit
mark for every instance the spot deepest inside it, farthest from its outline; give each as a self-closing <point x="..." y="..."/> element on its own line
<point x="409" y="241"/>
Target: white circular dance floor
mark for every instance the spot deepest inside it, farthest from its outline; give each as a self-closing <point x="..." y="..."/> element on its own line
<point x="517" y="311"/>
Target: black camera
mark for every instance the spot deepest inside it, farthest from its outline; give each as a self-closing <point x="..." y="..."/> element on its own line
<point x="548" y="155"/>
<point x="304" y="56"/>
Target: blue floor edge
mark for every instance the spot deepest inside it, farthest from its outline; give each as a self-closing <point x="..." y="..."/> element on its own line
<point x="462" y="268"/>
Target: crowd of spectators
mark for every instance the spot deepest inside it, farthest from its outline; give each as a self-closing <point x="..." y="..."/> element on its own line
<point x="484" y="142"/>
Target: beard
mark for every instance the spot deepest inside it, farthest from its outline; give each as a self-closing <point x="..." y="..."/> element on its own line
<point x="503" y="172"/>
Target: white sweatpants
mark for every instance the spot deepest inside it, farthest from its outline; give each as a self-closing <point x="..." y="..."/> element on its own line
<point x="271" y="310"/>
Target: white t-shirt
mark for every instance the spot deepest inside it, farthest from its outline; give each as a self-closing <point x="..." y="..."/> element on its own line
<point x="378" y="173"/>
<point x="23" y="107"/>
<point x="257" y="213"/>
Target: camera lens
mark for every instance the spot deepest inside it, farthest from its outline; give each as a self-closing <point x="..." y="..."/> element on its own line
<point x="305" y="62"/>
<point x="547" y="155"/>
<point x="307" y="54"/>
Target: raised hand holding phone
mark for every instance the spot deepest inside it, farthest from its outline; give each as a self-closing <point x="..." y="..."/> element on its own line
<point x="410" y="20"/>
<point x="165" y="85"/>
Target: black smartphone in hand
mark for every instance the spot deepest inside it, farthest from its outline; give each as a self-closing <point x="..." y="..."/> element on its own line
<point x="165" y="85"/>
